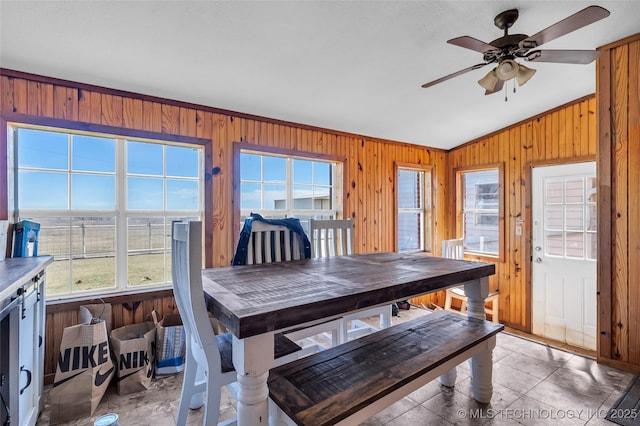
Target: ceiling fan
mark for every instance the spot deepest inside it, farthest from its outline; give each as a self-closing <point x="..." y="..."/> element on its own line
<point x="505" y="50"/>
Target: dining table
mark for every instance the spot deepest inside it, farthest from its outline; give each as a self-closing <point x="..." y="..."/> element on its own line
<point x="256" y="301"/>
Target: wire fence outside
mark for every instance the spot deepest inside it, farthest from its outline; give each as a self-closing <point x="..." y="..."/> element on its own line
<point x="91" y="241"/>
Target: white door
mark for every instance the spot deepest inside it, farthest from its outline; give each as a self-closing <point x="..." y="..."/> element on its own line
<point x="564" y="253"/>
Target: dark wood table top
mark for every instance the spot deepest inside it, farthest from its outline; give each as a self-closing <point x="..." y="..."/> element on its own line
<point x="255" y="299"/>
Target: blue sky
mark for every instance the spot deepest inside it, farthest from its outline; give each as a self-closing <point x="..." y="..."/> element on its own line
<point x="92" y="163"/>
<point x="269" y="174"/>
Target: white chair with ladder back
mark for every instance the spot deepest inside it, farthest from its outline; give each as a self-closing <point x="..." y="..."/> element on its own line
<point x="271" y="243"/>
<point x="208" y="357"/>
<point x="335" y="238"/>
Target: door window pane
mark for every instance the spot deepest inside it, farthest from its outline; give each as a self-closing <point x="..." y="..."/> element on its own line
<point x="570" y="217"/>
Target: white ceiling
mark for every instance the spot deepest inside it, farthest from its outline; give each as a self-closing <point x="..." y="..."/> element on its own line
<point x="352" y="66"/>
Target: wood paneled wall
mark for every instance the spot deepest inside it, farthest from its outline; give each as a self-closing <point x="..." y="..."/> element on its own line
<point x="606" y="127"/>
<point x="565" y="134"/>
<point x="369" y="193"/>
<point x="618" y="92"/>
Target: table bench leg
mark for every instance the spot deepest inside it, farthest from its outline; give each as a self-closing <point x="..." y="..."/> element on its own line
<point x="481" y="371"/>
<point x="448" y="379"/>
<point x="481" y="364"/>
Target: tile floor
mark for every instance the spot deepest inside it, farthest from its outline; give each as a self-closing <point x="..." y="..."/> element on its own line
<point x="534" y="384"/>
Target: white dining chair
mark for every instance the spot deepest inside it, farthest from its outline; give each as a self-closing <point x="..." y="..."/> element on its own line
<point x="273" y="243"/>
<point x="270" y="243"/>
<point x="208" y="357"/>
<point x="454" y="249"/>
<point x="335" y="238"/>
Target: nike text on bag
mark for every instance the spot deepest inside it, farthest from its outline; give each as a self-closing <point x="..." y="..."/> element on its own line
<point x="133" y="348"/>
<point x="84" y="371"/>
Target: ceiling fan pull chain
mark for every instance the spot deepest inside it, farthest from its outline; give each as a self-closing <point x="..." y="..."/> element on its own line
<point x="506" y="99"/>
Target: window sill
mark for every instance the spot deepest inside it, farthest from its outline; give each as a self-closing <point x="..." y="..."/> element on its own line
<point x="64" y="305"/>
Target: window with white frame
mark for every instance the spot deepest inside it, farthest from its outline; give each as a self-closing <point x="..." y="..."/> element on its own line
<point x="478" y="201"/>
<point x="414" y="209"/>
<point x="286" y="186"/>
<point x="105" y="206"/>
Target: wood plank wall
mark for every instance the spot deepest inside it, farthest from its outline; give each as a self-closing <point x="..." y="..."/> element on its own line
<point x="368" y="166"/>
<point x="565" y="134"/>
<point x="618" y="83"/>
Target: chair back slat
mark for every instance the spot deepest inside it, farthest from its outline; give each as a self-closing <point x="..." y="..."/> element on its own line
<point x="273" y="243"/>
<point x="331" y="237"/>
<point x="453" y="249"/>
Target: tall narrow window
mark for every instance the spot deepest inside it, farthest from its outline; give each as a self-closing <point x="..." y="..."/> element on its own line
<point x="479" y="202"/>
<point x="105" y="206"/>
<point x="414" y="208"/>
<point x="285" y="186"/>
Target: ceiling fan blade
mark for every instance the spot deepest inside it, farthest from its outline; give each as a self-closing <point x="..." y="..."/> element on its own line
<point x="564" y="56"/>
<point x="472" y="43"/>
<point x="455" y="74"/>
<point x="498" y="87"/>
<point x="576" y="21"/>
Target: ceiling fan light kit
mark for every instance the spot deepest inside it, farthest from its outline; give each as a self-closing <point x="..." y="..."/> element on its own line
<point x="506" y="70"/>
<point x="489" y="81"/>
<point x="505" y="50"/>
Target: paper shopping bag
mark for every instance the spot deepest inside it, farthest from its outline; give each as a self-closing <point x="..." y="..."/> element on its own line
<point x="134" y="349"/>
<point x="170" y="344"/>
<point x="83" y="373"/>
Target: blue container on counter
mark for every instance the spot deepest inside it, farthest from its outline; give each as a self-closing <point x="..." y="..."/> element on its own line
<point x="26" y="238"/>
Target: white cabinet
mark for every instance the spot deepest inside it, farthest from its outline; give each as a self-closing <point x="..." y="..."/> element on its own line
<point x="22" y="317"/>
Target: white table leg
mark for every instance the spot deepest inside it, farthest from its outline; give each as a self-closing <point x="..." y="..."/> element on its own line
<point x="481" y="364"/>
<point x="252" y="358"/>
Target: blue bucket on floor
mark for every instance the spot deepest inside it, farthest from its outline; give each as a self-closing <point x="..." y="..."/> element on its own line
<point x="110" y="419"/>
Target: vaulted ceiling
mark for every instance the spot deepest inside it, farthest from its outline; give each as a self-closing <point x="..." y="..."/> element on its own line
<point x="353" y="66"/>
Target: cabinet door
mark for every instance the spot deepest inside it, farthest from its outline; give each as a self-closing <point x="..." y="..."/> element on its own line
<point x="28" y="398"/>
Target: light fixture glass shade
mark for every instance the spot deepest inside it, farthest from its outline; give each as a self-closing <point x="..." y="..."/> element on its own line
<point x="524" y="74"/>
<point x="488" y="82"/>
<point x="507" y="69"/>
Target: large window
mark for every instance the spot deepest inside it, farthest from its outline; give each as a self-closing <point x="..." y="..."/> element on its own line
<point x="479" y="200"/>
<point x="414" y="208"/>
<point x="286" y="186"/>
<point x="105" y="206"/>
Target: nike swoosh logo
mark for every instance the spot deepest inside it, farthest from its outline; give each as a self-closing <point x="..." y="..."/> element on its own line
<point x="67" y="379"/>
<point x="119" y="379"/>
<point x="100" y="377"/>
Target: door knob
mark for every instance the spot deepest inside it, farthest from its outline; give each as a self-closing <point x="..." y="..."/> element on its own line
<point x="538" y="260"/>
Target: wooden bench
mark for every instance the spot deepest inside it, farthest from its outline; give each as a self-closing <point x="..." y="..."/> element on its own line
<point x="351" y="382"/>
